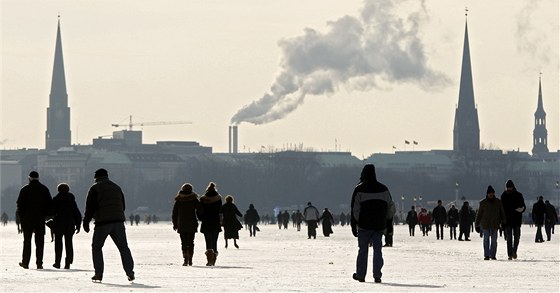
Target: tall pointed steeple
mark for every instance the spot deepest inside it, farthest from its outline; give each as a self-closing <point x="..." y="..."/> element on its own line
<point x="540" y="134"/>
<point x="58" y="112"/>
<point x="466" y="131"/>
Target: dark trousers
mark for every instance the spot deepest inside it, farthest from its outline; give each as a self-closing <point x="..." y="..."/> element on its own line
<point x="452" y="233"/>
<point x="39" y="231"/>
<point x="311" y="229"/>
<point x="365" y="237"/>
<point x="425" y="229"/>
<point x="548" y="230"/>
<point x="67" y="244"/>
<point x="512" y="239"/>
<point x="211" y="239"/>
<point x="411" y="229"/>
<point x="187" y="241"/>
<point x="252" y="230"/>
<point x="538" y="236"/>
<point x="439" y="231"/>
<point x="118" y="234"/>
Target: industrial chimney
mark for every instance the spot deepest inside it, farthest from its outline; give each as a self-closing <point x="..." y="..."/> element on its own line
<point x="233" y="142"/>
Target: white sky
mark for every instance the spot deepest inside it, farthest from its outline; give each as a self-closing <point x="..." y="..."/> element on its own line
<point x="203" y="61"/>
<point x="286" y="261"/>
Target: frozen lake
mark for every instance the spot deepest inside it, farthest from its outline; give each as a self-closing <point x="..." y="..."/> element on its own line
<point x="285" y="260"/>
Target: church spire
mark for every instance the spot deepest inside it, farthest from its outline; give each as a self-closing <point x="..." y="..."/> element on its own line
<point x="58" y="113"/>
<point x="466" y="131"/>
<point x="540" y="134"/>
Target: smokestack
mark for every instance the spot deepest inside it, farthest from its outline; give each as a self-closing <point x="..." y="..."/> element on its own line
<point x="234" y="146"/>
<point x="229" y="140"/>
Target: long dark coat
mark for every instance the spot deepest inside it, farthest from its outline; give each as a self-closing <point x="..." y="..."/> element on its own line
<point x="512" y="201"/>
<point x="452" y="217"/>
<point x="412" y="218"/>
<point x="67" y="216"/>
<point x="465" y="218"/>
<point x="539" y="209"/>
<point x="209" y="214"/>
<point x="327" y="221"/>
<point x="34" y="205"/>
<point x="184" y="212"/>
<point x="252" y="216"/>
<point x="231" y="224"/>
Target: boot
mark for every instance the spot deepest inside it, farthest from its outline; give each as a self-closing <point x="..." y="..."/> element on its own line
<point x="214" y="258"/>
<point x="185" y="258"/>
<point x="209" y="257"/>
<point x="191" y="252"/>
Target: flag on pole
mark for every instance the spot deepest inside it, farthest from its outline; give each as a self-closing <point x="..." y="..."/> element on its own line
<point x="407" y="142"/>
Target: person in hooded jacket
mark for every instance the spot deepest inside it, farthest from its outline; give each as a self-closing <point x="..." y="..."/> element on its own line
<point x="465" y="221"/>
<point x="230" y="222"/>
<point x="371" y="208"/>
<point x="452" y="220"/>
<point x="538" y="215"/>
<point x="514" y="206"/>
<point x="211" y="203"/>
<point x="185" y="221"/>
<point x="67" y="219"/>
<point x="412" y="220"/>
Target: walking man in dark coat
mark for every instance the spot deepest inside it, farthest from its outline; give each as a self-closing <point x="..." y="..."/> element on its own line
<point x="67" y="219"/>
<point x="452" y="220"/>
<point x="539" y="210"/>
<point x="105" y="203"/>
<point x="372" y="206"/>
<point x="33" y="206"/>
<point x="412" y="220"/>
<point x="550" y="220"/>
<point x="439" y="214"/>
<point x="514" y="206"/>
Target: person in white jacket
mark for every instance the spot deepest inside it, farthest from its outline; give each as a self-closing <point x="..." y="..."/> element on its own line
<point x="311" y="217"/>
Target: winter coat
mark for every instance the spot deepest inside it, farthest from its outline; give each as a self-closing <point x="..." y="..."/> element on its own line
<point x="371" y="205"/>
<point x="424" y="218"/>
<point x="512" y="201"/>
<point x="252" y="216"/>
<point x="551" y="215"/>
<point x="104" y="202"/>
<point x="439" y="215"/>
<point x="67" y="216"/>
<point x="465" y="216"/>
<point x="327" y="221"/>
<point x="230" y="222"/>
<point x="490" y="214"/>
<point x="539" y="209"/>
<point x="211" y="203"/>
<point x="184" y="212"/>
<point x="34" y="204"/>
<point x="310" y="213"/>
<point x="412" y="218"/>
<point x="452" y="217"/>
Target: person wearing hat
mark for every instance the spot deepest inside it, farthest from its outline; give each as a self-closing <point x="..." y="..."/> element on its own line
<point x="489" y="217"/>
<point x="514" y="206"/>
<point x="372" y="208"/>
<point x="185" y="221"/>
<point x="33" y="206"/>
<point x="105" y="203"/>
<point x="539" y="210"/>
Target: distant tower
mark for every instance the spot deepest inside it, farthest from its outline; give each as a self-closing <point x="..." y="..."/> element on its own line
<point x="540" y="133"/>
<point x="466" y="132"/>
<point x="58" y="112"/>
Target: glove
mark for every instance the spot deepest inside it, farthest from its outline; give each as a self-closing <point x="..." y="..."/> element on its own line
<point x="520" y="210"/>
<point x="354" y="231"/>
<point x="477" y="229"/>
<point x="77" y="229"/>
<point x="86" y="227"/>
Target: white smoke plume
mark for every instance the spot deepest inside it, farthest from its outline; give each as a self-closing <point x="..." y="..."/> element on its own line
<point x="531" y="39"/>
<point x="371" y="51"/>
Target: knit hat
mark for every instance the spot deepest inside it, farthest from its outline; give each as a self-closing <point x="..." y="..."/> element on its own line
<point x="187" y="187"/>
<point x="490" y="189"/>
<point x="33" y="175"/>
<point x="101" y="173"/>
<point x="368" y="173"/>
<point x="509" y="183"/>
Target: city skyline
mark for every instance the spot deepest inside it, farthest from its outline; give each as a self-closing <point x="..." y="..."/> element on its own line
<point x="113" y="55"/>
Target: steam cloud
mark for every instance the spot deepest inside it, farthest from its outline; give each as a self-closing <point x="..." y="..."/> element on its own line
<point x="530" y="39"/>
<point x="371" y="51"/>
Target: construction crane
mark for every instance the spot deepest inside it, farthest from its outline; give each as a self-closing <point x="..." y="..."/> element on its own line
<point x="130" y="124"/>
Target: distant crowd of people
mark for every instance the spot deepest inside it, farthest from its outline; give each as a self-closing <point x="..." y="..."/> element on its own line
<point x="371" y="219"/>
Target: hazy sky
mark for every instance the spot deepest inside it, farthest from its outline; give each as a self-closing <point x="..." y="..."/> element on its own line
<point x="359" y="76"/>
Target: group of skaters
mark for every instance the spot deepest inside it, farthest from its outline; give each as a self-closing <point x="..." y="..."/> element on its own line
<point x="310" y="216"/>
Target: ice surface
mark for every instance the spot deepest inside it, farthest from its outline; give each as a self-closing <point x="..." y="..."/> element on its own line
<point x="285" y="260"/>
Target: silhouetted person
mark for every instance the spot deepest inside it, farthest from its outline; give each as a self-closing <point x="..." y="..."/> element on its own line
<point x="185" y="221"/>
<point x="33" y="205"/>
<point x="411" y="220"/>
<point x="514" y="206"/>
<point x="67" y="219"/>
<point x="311" y="217"/>
<point x="230" y="222"/>
<point x="105" y="203"/>
<point x="299" y="220"/>
<point x="252" y="219"/>
<point x="489" y="217"/>
<point x="465" y="221"/>
<point x="439" y="214"/>
<point x="211" y="203"/>
<point x="538" y="214"/>
<point x="372" y="206"/>
<point x="550" y="220"/>
<point x="452" y="221"/>
<point x="327" y="222"/>
<point x="4" y="219"/>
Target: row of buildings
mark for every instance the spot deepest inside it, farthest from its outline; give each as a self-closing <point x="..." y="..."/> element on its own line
<point x="152" y="173"/>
